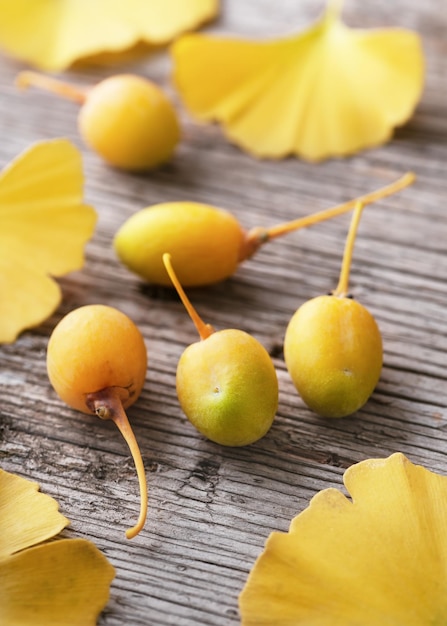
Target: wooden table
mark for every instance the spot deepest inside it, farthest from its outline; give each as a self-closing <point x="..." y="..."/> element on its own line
<point x="211" y="508"/>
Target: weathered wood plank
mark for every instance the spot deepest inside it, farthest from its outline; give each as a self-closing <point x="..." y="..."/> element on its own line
<point x="211" y="508"/>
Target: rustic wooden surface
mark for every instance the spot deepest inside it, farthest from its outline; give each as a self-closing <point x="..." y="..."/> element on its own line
<point x="212" y="508"/>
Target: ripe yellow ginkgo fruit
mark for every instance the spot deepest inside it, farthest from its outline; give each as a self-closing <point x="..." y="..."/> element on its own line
<point x="44" y="226"/>
<point x="327" y="91"/>
<point x="53" y="34"/>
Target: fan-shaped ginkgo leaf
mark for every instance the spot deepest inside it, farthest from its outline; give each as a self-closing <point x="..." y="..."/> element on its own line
<point x="328" y="91"/>
<point x="63" y="582"/>
<point x="45" y="583"/>
<point x="376" y="557"/>
<point x="53" y="34"/>
<point x="44" y="227"/>
<point x="19" y="529"/>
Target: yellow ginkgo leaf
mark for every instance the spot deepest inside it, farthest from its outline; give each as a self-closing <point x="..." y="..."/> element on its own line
<point x="53" y="34"/>
<point x="62" y="582"/>
<point x="18" y="528"/>
<point x="378" y="558"/>
<point x="44" y="227"/>
<point x="328" y="91"/>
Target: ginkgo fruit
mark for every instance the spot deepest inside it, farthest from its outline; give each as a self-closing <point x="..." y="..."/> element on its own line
<point x="206" y="243"/>
<point x="53" y="34"/>
<point x="327" y="91"/>
<point x="333" y="346"/>
<point x="96" y="362"/>
<point x="128" y="120"/>
<point x="44" y="227"/>
<point x="226" y="382"/>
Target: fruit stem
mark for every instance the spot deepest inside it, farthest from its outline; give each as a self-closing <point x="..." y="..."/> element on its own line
<point x="107" y="405"/>
<point x="343" y="284"/>
<point x="258" y="236"/>
<point x="25" y="79"/>
<point x="204" y="330"/>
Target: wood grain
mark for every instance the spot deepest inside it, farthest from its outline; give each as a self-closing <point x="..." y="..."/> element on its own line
<point x="212" y="508"/>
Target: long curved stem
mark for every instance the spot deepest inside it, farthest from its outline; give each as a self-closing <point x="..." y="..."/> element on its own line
<point x="204" y="330"/>
<point x="107" y="405"/>
<point x="257" y="236"/>
<point x="343" y="283"/>
<point x="27" y="79"/>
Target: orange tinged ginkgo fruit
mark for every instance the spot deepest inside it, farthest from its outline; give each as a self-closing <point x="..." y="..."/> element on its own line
<point x="96" y="362"/>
